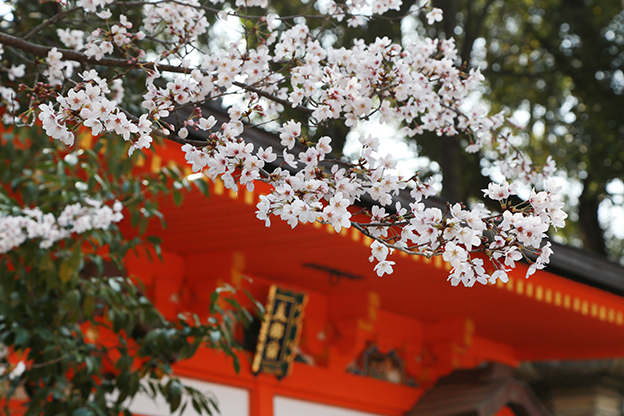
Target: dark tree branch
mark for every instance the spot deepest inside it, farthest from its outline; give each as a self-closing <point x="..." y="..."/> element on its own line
<point x="40" y="50"/>
<point x="54" y="19"/>
<point x="70" y="55"/>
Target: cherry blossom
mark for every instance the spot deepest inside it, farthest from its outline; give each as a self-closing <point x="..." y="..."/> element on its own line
<point x="76" y="218"/>
<point x="420" y="86"/>
<point x="435" y="15"/>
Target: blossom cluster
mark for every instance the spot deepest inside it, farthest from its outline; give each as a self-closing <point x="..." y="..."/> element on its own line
<point x="87" y="104"/>
<point x="183" y="22"/>
<point x="32" y="223"/>
<point x="8" y="96"/>
<point x="419" y="86"/>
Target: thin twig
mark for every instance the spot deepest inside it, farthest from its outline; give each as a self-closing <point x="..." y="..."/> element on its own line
<point x="54" y="19"/>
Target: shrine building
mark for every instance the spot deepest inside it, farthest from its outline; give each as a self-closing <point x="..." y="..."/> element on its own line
<point x="339" y="341"/>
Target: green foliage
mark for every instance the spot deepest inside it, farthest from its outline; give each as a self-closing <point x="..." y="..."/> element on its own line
<point x="561" y="62"/>
<point x="90" y="338"/>
<point x="565" y="60"/>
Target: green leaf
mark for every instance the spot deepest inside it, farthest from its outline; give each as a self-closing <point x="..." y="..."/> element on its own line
<point x="73" y="299"/>
<point x="151" y="336"/>
<point x="21" y="336"/>
<point x="154" y="239"/>
<point x="214" y="297"/>
<point x="83" y="411"/>
<point x="235" y="362"/>
<point x="60" y="173"/>
<point x="177" y="197"/>
<point x="135" y="218"/>
<point x="202" y="186"/>
<point x="88" y="306"/>
<point x="175" y="394"/>
<point x="114" y="284"/>
<point x="69" y="266"/>
<point x="196" y="406"/>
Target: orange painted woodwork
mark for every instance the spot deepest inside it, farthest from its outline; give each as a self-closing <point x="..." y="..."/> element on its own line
<point x="434" y="327"/>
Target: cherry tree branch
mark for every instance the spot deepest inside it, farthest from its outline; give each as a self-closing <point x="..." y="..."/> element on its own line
<point x="70" y="55"/>
<point x="54" y="19"/>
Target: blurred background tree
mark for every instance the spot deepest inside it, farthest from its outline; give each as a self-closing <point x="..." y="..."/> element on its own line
<point x="88" y="334"/>
<point x="566" y="59"/>
<point x="556" y="66"/>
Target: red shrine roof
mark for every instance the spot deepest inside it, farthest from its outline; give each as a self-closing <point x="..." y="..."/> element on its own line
<point x="543" y="317"/>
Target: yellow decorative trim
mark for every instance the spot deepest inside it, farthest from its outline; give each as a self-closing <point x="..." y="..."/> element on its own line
<point x="562" y="300"/>
<point x="557" y="298"/>
<point x="156" y="163"/>
<point x="365" y="326"/>
<point x="85" y="140"/>
<point x="469" y="329"/>
<point x="237" y="269"/>
<point x="520" y="287"/>
<point x="218" y="187"/>
<point x="264" y="329"/>
<point x="233" y="194"/>
<point x="140" y="160"/>
<point x="510" y="284"/>
<point x="437" y="262"/>
<point x="539" y="293"/>
<point x="249" y="198"/>
<point x="374" y="301"/>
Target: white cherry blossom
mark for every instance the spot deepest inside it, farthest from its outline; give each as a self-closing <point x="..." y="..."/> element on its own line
<point x="416" y="85"/>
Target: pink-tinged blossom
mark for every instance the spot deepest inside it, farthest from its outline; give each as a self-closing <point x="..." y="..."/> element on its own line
<point x="92" y="5"/>
<point x="289" y="159"/>
<point x="499" y="275"/>
<point x="267" y="154"/>
<point x="16" y="71"/>
<point x="417" y="85"/>
<point x="207" y="123"/>
<point x="500" y="192"/>
<point x="33" y="224"/>
<point x="384" y="267"/>
<point x="290" y="133"/>
<point x="72" y="39"/>
<point x="454" y="254"/>
<point x="379" y="251"/>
